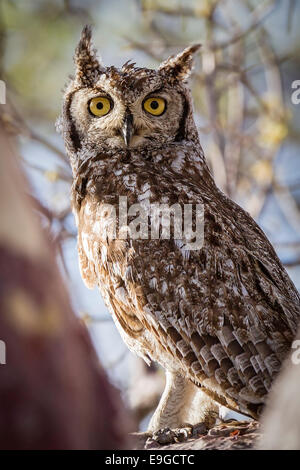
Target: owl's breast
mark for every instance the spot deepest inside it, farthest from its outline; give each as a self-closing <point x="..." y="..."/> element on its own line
<point x="119" y="270"/>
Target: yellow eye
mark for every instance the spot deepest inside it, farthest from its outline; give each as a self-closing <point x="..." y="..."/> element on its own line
<point x="100" y="106"/>
<point x="155" y="106"/>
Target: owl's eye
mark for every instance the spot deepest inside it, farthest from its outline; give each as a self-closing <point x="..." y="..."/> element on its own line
<point x="155" y="106"/>
<point x="100" y="106"/>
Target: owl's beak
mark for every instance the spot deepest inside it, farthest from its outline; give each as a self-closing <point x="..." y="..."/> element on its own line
<point x="127" y="128"/>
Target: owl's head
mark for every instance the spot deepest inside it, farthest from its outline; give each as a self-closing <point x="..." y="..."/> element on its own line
<point x="110" y="108"/>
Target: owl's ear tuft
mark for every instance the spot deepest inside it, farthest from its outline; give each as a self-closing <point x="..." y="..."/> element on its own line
<point x="180" y="66"/>
<point x="88" y="68"/>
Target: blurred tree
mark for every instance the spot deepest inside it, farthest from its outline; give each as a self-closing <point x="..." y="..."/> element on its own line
<point x="53" y="392"/>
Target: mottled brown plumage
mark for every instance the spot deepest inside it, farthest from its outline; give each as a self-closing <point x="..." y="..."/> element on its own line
<point x="223" y="316"/>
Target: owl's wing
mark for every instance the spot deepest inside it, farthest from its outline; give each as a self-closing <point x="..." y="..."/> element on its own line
<point x="228" y="311"/>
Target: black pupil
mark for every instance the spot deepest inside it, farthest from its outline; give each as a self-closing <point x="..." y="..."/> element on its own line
<point x="154" y="104"/>
<point x="99" y="105"/>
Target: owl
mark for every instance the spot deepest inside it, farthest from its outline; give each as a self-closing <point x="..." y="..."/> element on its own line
<point x="218" y="318"/>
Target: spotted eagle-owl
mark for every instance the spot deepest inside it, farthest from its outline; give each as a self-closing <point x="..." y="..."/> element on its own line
<point x="219" y="319"/>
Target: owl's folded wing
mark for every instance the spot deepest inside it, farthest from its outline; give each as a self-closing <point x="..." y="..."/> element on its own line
<point x="225" y="313"/>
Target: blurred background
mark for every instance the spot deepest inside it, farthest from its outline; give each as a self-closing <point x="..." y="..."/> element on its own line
<point x="249" y="127"/>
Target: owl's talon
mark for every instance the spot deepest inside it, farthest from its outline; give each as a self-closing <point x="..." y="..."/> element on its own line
<point x="164" y="436"/>
<point x="171" y="436"/>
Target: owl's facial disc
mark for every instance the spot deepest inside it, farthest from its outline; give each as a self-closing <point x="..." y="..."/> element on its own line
<point x="108" y="118"/>
<point x="138" y="112"/>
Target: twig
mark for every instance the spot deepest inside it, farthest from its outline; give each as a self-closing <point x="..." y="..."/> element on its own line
<point x="257" y="17"/>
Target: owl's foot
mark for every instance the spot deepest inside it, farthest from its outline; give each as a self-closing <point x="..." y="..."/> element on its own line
<point x="184" y="432"/>
<point x="170" y="436"/>
<point x="166" y="436"/>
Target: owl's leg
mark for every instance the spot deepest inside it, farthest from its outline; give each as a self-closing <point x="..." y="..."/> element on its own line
<point x="171" y="405"/>
<point x="168" y="412"/>
<point x="182" y="406"/>
<point x="199" y="407"/>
